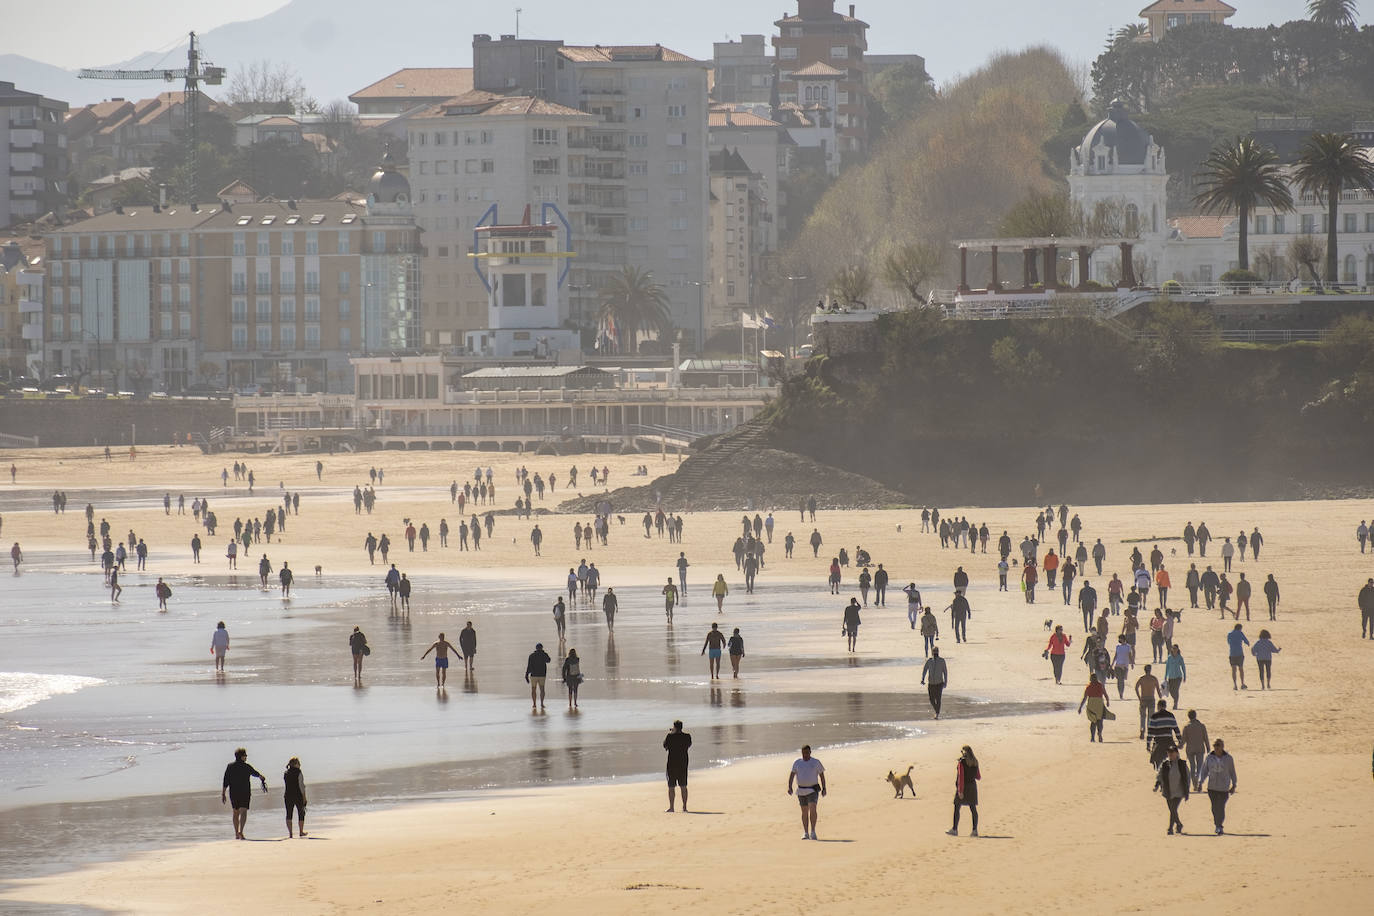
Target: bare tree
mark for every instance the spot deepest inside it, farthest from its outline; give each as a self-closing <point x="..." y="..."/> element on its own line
<point x="852" y="284"/>
<point x="264" y="87"/>
<point x="909" y="266"/>
<point x="1308" y="251"/>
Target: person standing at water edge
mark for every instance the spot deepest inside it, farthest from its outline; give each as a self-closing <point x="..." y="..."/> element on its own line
<point x="560" y="617"/>
<point x="669" y="599"/>
<point x="936" y="672"/>
<point x="467" y="643"/>
<point x="852" y="621"/>
<point x="293" y="793"/>
<point x="809" y="774"/>
<point x="609" y="604"/>
<point x="536" y="670"/>
<point x="572" y="676"/>
<point x="286" y="576"/>
<point x="966" y="776"/>
<point x="219" y="645"/>
<point x="357" y="644"/>
<point x="441" y="648"/>
<point x="238" y="785"/>
<point x="736" y="646"/>
<point x="676" y="744"/>
<point x="1219" y="774"/>
<point x="715" y="642"/>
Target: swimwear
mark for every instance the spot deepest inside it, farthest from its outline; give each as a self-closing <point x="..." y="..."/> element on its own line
<point x="713" y="653"/>
<point x="441" y="663"/>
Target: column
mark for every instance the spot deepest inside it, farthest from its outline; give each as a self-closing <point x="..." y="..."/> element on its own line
<point x="963" y="269"/>
<point x="1051" y="264"/>
<point x="1084" y="253"/>
<point x="1028" y="278"/>
<point x="1127" y="266"/>
<point x="993" y="284"/>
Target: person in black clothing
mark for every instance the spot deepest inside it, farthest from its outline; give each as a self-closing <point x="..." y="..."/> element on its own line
<point x="293" y="783"/>
<point x="536" y="670"/>
<point x="880" y="587"/>
<point x="238" y="785"/>
<point x="676" y="744"/>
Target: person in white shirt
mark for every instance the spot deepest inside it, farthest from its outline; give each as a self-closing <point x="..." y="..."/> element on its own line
<point x="809" y="776"/>
<point x="219" y="644"/>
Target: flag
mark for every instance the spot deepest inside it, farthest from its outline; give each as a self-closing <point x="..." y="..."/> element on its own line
<point x="750" y="321"/>
<point x="768" y="322"/>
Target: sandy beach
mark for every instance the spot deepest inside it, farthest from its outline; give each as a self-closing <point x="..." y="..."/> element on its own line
<point x="1065" y="824"/>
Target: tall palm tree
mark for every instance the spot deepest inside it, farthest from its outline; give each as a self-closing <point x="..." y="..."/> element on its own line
<point x="1328" y="164"/>
<point x="1241" y="175"/>
<point x="635" y="304"/>
<point x="1339" y="14"/>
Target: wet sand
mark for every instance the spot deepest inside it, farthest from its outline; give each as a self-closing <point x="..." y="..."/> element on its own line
<point x="592" y="840"/>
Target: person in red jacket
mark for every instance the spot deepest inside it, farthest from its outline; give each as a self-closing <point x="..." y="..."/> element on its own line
<point x="1029" y="576"/>
<point x="1051" y="566"/>
<point x="1059" y="643"/>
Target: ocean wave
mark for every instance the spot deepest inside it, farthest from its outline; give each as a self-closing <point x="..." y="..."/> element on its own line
<point x="19" y="689"/>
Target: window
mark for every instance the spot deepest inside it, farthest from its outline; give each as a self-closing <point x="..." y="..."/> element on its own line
<point x="312" y="281"/>
<point x="1278" y="224"/>
<point x="839" y="52"/>
<point x="1369" y="222"/>
<point x="545" y="166"/>
<point x="677" y="82"/>
<point x="184" y="322"/>
<point x="1261" y="225"/>
<point x="264" y="336"/>
<point x="488" y="166"/>
<point x="470" y="138"/>
<point x="288" y="308"/>
<point x="165" y="296"/>
<point x="378" y="241"/>
<point x="638" y="168"/>
<point x="288" y="334"/>
<point x="1350" y="223"/>
<point x="345" y="309"/>
<point x="637" y="224"/>
<point x="677" y="111"/>
<point x="438" y="138"/>
<point x="264" y="284"/>
<point x="263" y="311"/>
<point x="471" y="166"/>
<point x="1174" y="20"/>
<point x="1309" y="224"/>
<point x="680" y="223"/>
<point x="239" y="309"/>
<point x="677" y="167"/>
<point x="345" y="281"/>
<point x="638" y="195"/>
<point x="240" y="245"/>
<point x="487" y="138"/>
<point x="637" y="140"/>
<point x="312" y="242"/>
<point x="264" y="244"/>
<point x="312" y="308"/>
<point x="440" y="168"/>
<point x="1348" y="269"/>
<point x="345" y="334"/>
<point x="677" y="196"/>
<point x="1204" y="273"/>
<point x="424" y="167"/>
<point x="1369" y="268"/>
<point x="239" y="282"/>
<point x="787" y="53"/>
<point x="677" y="252"/>
<point x="676" y="139"/>
<point x="288" y="244"/>
<point x="240" y="337"/>
<point x="184" y="296"/>
<point x="288" y="280"/>
<point x="546" y="136"/>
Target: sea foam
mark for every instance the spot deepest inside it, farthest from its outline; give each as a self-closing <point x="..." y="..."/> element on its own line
<point x="19" y="689"/>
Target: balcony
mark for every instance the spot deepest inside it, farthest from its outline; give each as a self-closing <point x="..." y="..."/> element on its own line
<point x="32" y="332"/>
<point x="595" y="91"/>
<point x="29" y="306"/>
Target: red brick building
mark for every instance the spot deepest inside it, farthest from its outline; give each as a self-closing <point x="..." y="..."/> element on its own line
<point x="819" y="34"/>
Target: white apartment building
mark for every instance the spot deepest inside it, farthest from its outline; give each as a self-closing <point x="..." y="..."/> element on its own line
<point x="470" y="154"/>
<point x="638" y="183"/>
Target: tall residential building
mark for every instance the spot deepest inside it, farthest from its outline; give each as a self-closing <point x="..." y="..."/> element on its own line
<point x="33" y="155"/>
<point x="743" y="71"/>
<point x="736" y="238"/>
<point x="819" y="35"/>
<point x="638" y="185"/>
<point x="271" y="294"/>
<point x="768" y="149"/>
<point x="21" y="308"/>
<point x="470" y="154"/>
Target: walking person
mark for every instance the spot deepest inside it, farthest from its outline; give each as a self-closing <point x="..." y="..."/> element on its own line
<point x="1264" y="650"/>
<point x="293" y="793"/>
<point x="715" y="643"/>
<point x="609" y="604"/>
<point x="1195" y="746"/>
<point x="219" y="646"/>
<point x="936" y="675"/>
<point x="1056" y="650"/>
<point x="536" y="671"/>
<point x="1236" y="641"/>
<point x="1219" y="774"/>
<point x="719" y="590"/>
<point x="809" y="775"/>
<point x="851" y="622"/>
<point x="572" y="676"/>
<point x="1175" y="672"/>
<point x="736" y="646"/>
<point x="669" y="599"/>
<point x="441" y="647"/>
<point x="238" y="786"/>
<point x="1365" y="600"/>
<point x="959" y="613"/>
<point x="1173" y="782"/>
<point x="930" y="631"/>
<point x="357" y="644"/>
<point x="966" y="776"/>
<point x="1271" y="596"/>
<point x="163" y="592"/>
<point x="467" y="645"/>
<point x="677" y="743"/>
<point x="1099" y="707"/>
<point x="560" y="618"/>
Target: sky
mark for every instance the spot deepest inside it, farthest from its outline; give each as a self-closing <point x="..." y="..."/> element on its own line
<point x="954" y="38"/>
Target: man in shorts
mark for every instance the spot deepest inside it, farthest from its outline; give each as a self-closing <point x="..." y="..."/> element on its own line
<point x="441" y="649"/>
<point x="676" y="744"/>
<point x="238" y="785"/>
<point x="715" y="641"/>
<point x="536" y="670"/>
<point x="669" y="599"/>
<point x="809" y="776"/>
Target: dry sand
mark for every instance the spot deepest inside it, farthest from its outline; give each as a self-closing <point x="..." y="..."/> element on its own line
<point x="1066" y="825"/>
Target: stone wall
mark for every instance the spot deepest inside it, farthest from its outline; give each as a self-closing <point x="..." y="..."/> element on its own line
<point x="836" y="334"/>
<point x="110" y="421"/>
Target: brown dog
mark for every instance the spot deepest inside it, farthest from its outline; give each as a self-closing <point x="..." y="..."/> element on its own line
<point x="901" y="783"/>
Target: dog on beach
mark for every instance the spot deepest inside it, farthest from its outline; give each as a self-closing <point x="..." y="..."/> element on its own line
<point x="901" y="783"/>
<point x="1049" y="624"/>
<point x="620" y="518"/>
<point x="319" y="571"/>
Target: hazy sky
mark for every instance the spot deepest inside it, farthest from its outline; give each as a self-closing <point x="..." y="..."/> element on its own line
<point x="954" y="40"/>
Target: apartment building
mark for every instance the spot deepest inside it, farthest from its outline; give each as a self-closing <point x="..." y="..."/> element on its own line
<point x="638" y="186"/>
<point x="270" y="294"/>
<point x="21" y="308"/>
<point x="736" y="238"/>
<point x="106" y="136"/>
<point x="743" y="71"/>
<point x="817" y="34"/>
<point x="468" y="155"/>
<point x="768" y="149"/>
<point x="408" y="89"/>
<point x="33" y="155"/>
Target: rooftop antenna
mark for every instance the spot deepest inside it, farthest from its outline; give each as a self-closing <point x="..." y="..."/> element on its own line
<point x="518" y="11"/>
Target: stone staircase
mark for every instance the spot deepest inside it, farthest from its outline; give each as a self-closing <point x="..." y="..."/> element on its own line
<point x="703" y="476"/>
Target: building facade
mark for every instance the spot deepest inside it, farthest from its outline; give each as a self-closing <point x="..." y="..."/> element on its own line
<point x="1163" y="15"/>
<point x="736" y="239"/>
<point x="817" y="34"/>
<point x="119" y="133"/>
<point x="33" y="155"/>
<point x="743" y="72"/>
<point x="21" y="309"/>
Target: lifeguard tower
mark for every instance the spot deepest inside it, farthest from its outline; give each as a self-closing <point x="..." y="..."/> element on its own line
<point x="524" y="270"/>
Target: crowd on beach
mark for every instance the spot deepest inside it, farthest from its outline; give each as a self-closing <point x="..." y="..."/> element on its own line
<point x="1184" y="759"/>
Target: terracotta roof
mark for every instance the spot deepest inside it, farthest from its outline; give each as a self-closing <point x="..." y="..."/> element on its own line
<point x="279" y="121"/>
<point x="419" y="83"/>
<point x="818" y="68"/>
<point x="491" y="104"/>
<point x="1189" y="6"/>
<point x="802" y="20"/>
<point x="594" y="53"/>
<point x="1202" y="227"/>
<point x="721" y="119"/>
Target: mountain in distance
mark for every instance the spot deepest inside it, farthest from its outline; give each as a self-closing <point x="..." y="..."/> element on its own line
<point x="47" y="80"/>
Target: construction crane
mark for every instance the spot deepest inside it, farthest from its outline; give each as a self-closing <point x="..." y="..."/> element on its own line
<point x="193" y="74"/>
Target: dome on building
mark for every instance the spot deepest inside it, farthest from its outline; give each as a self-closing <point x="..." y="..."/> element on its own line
<point x="388" y="186"/>
<point x="1128" y="139"/>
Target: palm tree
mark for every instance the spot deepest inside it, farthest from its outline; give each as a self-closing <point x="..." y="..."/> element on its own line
<point x="1328" y="164"/>
<point x="1340" y="14"/>
<point x="1241" y="175"/>
<point x="635" y="304"/>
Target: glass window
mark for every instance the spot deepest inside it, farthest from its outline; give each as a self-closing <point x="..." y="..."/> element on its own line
<point x="239" y="309"/>
<point x="677" y="167"/>
<point x="312" y="242"/>
<point x="312" y="308"/>
<point x="240" y="245"/>
<point x="546" y="136"/>
<point x="839" y="52"/>
<point x="264" y="244"/>
<point x="288" y="308"/>
<point x="345" y="281"/>
<point x="787" y="53"/>
<point x="345" y="337"/>
<point x="263" y="310"/>
<point x="344" y="242"/>
<point x="639" y="168"/>
<point x="345" y="309"/>
<point x="312" y="337"/>
<point x="677" y="111"/>
<point x="264" y="336"/>
<point x="240" y="337"/>
<point x="288" y="244"/>
<point x="288" y="337"/>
